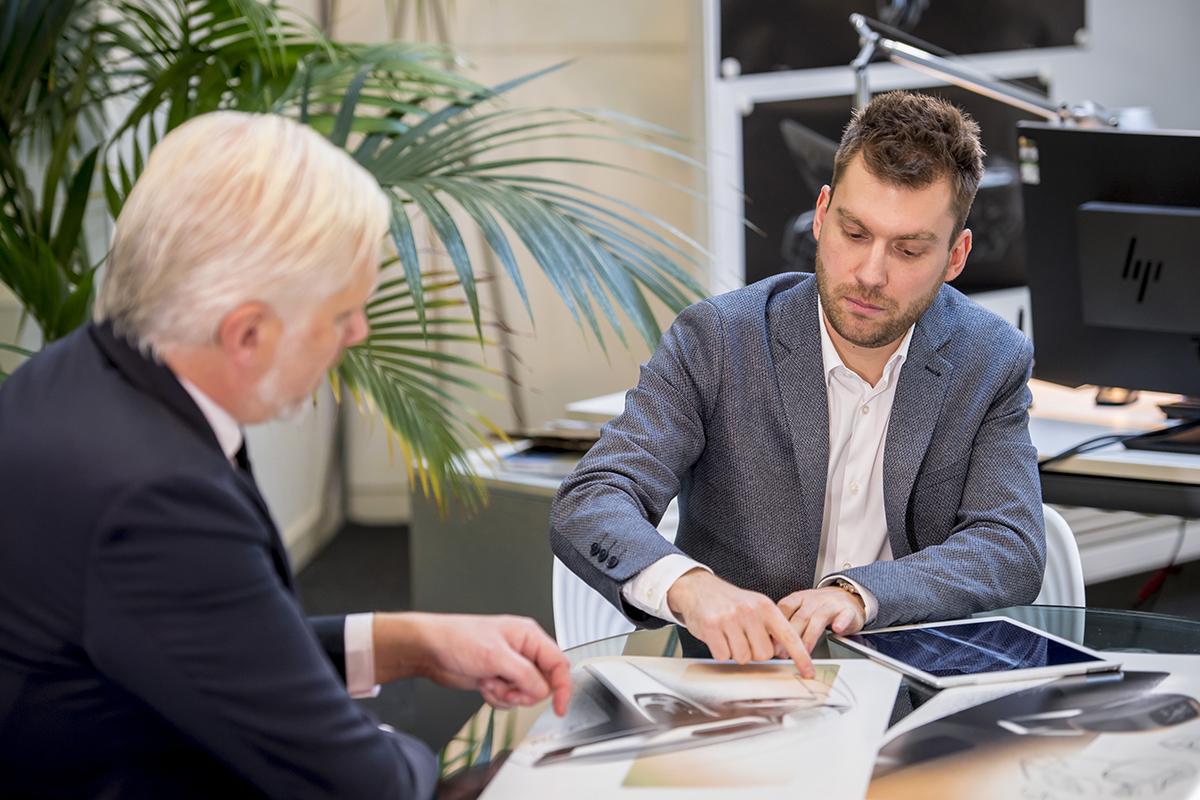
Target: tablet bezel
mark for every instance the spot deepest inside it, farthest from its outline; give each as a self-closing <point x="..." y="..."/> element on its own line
<point x="947" y="682"/>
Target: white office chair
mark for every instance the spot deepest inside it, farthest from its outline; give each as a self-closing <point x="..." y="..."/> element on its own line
<point x="1063" y="582"/>
<point x="581" y="614"/>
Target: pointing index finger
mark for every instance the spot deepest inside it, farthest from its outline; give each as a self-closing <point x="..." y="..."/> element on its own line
<point x="785" y="634"/>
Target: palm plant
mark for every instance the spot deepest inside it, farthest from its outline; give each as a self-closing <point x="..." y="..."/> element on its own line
<point x="87" y="88"/>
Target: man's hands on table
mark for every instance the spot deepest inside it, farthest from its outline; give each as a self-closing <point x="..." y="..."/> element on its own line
<point x="744" y="626"/>
<point x="811" y="611"/>
<point x="509" y="660"/>
<point x="735" y="623"/>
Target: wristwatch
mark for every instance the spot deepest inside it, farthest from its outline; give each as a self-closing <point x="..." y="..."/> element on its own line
<point x="846" y="585"/>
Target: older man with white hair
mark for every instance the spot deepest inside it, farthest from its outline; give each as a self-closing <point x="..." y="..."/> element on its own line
<point x="151" y="643"/>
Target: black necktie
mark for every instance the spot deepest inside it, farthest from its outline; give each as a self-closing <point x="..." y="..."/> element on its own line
<point x="242" y="459"/>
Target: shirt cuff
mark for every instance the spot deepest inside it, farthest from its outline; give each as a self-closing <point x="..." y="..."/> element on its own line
<point x="360" y="656"/>
<point x="647" y="591"/>
<point x="870" y="604"/>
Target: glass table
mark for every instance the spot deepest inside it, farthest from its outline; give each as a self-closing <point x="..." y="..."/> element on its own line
<point x="476" y="752"/>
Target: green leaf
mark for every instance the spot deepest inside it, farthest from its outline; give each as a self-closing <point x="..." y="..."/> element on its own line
<point x="492" y="232"/>
<point x="70" y="223"/>
<point x="111" y="195"/>
<point x="396" y="149"/>
<point x="448" y="232"/>
<point x="406" y="248"/>
<point x="345" y="117"/>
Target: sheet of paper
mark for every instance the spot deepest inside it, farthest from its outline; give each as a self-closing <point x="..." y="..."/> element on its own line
<point x="667" y="727"/>
<point x="949" y="701"/>
<point x="1130" y="734"/>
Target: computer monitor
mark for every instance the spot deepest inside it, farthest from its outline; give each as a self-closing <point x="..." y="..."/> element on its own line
<point x="1112" y="238"/>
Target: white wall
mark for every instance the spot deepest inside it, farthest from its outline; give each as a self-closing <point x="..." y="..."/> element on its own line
<point x="1138" y="54"/>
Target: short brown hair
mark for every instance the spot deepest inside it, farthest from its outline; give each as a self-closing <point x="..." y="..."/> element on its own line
<point x="912" y="140"/>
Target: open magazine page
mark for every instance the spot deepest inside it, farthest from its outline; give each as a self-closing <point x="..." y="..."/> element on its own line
<point x="669" y="726"/>
<point x="1130" y="734"/>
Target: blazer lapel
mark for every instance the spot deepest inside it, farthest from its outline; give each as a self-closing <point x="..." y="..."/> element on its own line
<point x="245" y="474"/>
<point x="924" y="379"/>
<point x="158" y="381"/>
<point x="796" y="346"/>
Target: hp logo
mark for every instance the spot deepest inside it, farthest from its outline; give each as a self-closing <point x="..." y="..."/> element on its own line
<point x="1139" y="270"/>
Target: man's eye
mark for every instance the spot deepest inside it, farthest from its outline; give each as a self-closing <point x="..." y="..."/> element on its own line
<point x="856" y="236"/>
<point x="909" y="253"/>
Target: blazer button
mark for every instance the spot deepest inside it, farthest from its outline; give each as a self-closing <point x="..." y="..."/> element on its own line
<point x="613" y="561"/>
<point x="603" y="554"/>
<point x="595" y="548"/>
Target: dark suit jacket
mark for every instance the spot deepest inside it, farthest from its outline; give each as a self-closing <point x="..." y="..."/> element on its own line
<point x="151" y="644"/>
<point x="731" y="414"/>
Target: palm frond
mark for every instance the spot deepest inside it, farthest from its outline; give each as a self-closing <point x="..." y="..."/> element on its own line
<point x="598" y="258"/>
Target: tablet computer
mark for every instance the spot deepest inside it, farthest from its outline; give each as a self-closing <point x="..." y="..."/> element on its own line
<point x="969" y="651"/>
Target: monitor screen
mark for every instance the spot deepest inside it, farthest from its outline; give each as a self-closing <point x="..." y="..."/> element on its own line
<point x="1112" y="241"/>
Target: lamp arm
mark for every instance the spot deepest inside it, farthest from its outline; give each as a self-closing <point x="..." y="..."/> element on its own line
<point x="959" y="74"/>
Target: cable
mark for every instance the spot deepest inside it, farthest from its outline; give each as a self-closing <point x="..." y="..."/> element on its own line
<point x="1152" y="588"/>
<point x="1086" y="446"/>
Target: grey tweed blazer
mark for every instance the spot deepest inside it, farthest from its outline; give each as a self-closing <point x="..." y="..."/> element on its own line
<point x="731" y="415"/>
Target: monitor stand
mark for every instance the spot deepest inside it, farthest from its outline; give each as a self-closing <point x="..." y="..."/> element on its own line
<point x="1181" y="438"/>
<point x="1187" y="408"/>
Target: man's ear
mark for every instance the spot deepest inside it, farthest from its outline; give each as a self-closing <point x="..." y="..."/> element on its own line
<point x="823" y="201"/>
<point x="958" y="255"/>
<point x="248" y="334"/>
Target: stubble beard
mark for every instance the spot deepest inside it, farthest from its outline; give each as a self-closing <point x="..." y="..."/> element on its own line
<point x="270" y="390"/>
<point x="860" y="332"/>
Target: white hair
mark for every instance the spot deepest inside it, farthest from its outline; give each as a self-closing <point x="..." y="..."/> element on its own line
<point x="233" y="208"/>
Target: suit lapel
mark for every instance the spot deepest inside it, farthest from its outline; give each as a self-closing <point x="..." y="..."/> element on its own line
<point x="245" y="475"/>
<point x="924" y="379"/>
<point x="796" y="345"/>
<point x="158" y="381"/>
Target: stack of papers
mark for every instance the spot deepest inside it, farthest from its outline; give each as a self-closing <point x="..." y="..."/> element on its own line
<point x="666" y="726"/>
<point x="1130" y="734"/>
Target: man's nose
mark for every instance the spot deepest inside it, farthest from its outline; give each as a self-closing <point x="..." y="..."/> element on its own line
<point x="872" y="271"/>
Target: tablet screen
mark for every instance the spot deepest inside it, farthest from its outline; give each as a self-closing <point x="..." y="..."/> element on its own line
<point x="970" y="648"/>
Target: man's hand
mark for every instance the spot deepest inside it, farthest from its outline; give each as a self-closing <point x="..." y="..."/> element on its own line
<point x="811" y="611"/>
<point x="734" y="623"/>
<point x="509" y="660"/>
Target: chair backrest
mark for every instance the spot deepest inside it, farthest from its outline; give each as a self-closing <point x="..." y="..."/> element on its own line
<point x="581" y="614"/>
<point x="1063" y="582"/>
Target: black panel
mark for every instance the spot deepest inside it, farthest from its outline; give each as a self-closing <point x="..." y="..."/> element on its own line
<point x="1067" y="169"/>
<point x="771" y="35"/>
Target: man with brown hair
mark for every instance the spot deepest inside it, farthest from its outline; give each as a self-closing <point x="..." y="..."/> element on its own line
<point x="848" y="449"/>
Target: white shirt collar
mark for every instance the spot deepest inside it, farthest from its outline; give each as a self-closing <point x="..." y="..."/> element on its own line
<point x="226" y="428"/>
<point x="830" y="359"/>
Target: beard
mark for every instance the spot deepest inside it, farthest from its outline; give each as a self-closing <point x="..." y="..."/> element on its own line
<point x="892" y="324"/>
<point x="271" y="392"/>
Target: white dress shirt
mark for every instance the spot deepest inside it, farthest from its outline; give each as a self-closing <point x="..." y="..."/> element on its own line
<point x="854" y="525"/>
<point x="359" y="643"/>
